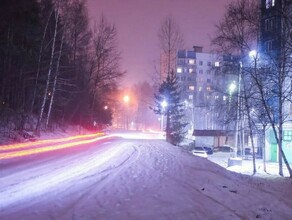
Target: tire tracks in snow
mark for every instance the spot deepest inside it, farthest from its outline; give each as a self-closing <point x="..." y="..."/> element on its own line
<point x="103" y="178"/>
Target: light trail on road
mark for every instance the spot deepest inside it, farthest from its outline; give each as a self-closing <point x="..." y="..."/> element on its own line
<point x="14" y="154"/>
<point x="43" y="146"/>
<point x="43" y="142"/>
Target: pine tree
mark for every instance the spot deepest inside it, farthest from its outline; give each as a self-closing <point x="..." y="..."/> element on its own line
<point x="169" y="92"/>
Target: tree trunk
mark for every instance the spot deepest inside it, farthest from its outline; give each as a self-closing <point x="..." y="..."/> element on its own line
<point x="264" y="147"/>
<point x="55" y="82"/>
<point x="37" y="129"/>
<point x="167" y="129"/>
<point x="247" y="105"/>
<point x="39" y="63"/>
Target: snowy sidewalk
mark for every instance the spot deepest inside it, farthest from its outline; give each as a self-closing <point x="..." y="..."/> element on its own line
<point x="247" y="166"/>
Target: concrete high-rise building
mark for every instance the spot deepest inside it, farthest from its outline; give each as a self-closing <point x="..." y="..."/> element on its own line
<point x="274" y="43"/>
<point x="202" y="80"/>
<point x="273" y="25"/>
<point x="270" y="26"/>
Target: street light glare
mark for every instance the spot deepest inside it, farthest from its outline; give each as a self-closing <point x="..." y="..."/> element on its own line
<point x="164" y="104"/>
<point x="126" y="98"/>
<point x="252" y="54"/>
<point x="232" y="87"/>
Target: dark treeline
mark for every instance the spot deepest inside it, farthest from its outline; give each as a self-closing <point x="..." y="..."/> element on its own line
<point x="53" y="67"/>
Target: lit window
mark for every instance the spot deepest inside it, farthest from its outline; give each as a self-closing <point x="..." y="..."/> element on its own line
<point x="216" y="97"/>
<point x="191" y="88"/>
<point x="224" y="98"/>
<point x="179" y="70"/>
<point x="208" y="88"/>
<point x="191" y="70"/>
<point x="270" y="3"/>
<point x="217" y="63"/>
<point x="191" y="61"/>
<point x="200" y="88"/>
<point x="191" y="97"/>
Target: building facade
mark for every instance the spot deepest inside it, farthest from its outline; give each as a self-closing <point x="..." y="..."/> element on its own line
<point x="204" y="79"/>
<point x="274" y="42"/>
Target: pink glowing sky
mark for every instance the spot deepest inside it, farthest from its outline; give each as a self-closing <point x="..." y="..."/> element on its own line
<point x="138" y="22"/>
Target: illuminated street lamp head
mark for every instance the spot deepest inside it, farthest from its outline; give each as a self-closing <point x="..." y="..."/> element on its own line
<point x="253" y="54"/>
<point x="126" y="98"/>
<point x="105" y="107"/>
<point x="164" y="104"/>
<point x="232" y="87"/>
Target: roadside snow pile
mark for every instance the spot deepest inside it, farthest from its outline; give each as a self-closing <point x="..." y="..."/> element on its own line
<point x="11" y="136"/>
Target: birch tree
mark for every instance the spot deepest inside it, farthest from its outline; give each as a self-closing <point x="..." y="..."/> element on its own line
<point x="268" y="72"/>
<point x="45" y="95"/>
<point x="237" y="33"/>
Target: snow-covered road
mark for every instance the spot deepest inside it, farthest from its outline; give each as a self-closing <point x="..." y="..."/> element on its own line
<point x="136" y="179"/>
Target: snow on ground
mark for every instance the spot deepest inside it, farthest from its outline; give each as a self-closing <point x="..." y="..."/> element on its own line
<point x="137" y="179"/>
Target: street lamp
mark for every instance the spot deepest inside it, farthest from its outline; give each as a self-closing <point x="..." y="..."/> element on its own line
<point x="231" y="88"/>
<point x="126" y="99"/>
<point x="163" y="105"/>
<point x="253" y="54"/>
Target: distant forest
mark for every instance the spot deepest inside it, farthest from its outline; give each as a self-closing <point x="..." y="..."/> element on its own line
<point x="54" y="66"/>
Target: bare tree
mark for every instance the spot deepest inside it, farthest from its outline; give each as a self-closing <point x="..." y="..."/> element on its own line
<point x="52" y="96"/>
<point x="170" y="40"/>
<point x="40" y="57"/>
<point x="74" y="20"/>
<point x="105" y="65"/>
<point x="237" y="34"/>
<point x="45" y="96"/>
<point x="265" y="74"/>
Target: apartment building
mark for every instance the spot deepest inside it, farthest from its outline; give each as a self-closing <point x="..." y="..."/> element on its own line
<point x="204" y="80"/>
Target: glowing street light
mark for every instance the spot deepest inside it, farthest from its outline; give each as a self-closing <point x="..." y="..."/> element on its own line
<point x="252" y="54"/>
<point x="232" y="88"/>
<point x="126" y="99"/>
<point x="164" y="104"/>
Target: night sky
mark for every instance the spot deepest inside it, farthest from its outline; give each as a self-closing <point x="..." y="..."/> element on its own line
<point x="138" y="22"/>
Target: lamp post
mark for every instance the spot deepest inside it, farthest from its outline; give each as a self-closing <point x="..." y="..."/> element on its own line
<point x="237" y="111"/>
<point x="126" y="99"/>
<point x="232" y="88"/>
<point x="163" y="105"/>
<point x="252" y="54"/>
